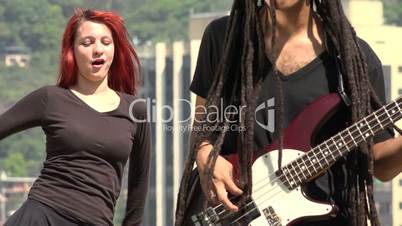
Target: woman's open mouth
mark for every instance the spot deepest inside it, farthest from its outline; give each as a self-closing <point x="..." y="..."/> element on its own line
<point x="98" y="63"/>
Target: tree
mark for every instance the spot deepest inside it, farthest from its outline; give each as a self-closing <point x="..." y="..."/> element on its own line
<point x="36" y="24"/>
<point x="393" y="12"/>
<point x="68" y="7"/>
<point x="15" y="165"/>
<point x="164" y="20"/>
<point x="5" y="32"/>
<point x="27" y="146"/>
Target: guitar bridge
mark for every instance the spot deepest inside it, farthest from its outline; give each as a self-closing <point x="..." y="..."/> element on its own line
<point x="218" y="216"/>
<point x="272" y="218"/>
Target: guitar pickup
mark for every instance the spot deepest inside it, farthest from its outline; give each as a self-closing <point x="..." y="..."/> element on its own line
<point x="272" y="218"/>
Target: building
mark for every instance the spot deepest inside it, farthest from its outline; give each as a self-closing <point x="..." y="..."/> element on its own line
<point x="16" y="56"/>
<point x="166" y="70"/>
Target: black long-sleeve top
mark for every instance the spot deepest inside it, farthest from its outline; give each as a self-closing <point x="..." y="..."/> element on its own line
<point x="86" y="152"/>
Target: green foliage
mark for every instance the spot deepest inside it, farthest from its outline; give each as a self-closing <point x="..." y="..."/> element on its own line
<point x="16" y="82"/>
<point x="27" y="146"/>
<point x="36" y="24"/>
<point x="393" y="12"/>
<point x="164" y="20"/>
<point x="15" y="165"/>
<point x="68" y="6"/>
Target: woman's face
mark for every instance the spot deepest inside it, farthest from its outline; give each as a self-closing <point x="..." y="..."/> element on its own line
<point x="93" y="50"/>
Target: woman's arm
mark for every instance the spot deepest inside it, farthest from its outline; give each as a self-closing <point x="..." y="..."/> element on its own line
<point x="26" y="113"/>
<point x="138" y="177"/>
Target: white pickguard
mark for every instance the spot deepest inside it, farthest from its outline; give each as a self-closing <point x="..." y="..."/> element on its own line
<point x="288" y="205"/>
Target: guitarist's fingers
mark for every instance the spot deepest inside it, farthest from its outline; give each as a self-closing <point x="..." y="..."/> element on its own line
<point x="223" y="197"/>
<point x="212" y="197"/>
<point x="209" y="194"/>
<point x="232" y="187"/>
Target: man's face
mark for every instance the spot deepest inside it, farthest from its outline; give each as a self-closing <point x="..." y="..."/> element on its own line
<point x="287" y="4"/>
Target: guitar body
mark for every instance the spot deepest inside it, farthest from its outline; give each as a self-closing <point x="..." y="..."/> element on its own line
<point x="288" y="205"/>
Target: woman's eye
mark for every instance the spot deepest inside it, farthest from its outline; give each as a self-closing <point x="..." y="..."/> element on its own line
<point x="86" y="44"/>
<point x="106" y="43"/>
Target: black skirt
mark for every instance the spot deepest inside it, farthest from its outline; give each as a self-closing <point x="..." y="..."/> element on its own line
<point x="34" y="213"/>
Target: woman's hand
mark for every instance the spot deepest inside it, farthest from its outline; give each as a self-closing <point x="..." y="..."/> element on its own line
<point x="222" y="181"/>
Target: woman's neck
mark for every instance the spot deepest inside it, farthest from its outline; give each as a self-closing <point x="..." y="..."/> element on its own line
<point x="88" y="87"/>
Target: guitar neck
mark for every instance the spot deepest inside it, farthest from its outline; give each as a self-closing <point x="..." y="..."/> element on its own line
<point x="325" y="154"/>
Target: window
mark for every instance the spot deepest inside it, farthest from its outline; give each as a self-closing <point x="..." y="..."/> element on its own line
<point x="400" y="69"/>
<point x="400" y="91"/>
<point x="400" y="182"/>
<point x="400" y="205"/>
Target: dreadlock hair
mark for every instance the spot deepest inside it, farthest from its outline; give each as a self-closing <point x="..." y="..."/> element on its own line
<point x="243" y="51"/>
<point x="243" y="55"/>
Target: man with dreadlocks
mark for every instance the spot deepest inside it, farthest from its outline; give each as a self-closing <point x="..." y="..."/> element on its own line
<point x="293" y="51"/>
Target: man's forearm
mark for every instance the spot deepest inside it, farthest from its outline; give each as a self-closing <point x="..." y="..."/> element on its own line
<point x="202" y="154"/>
<point x="388" y="158"/>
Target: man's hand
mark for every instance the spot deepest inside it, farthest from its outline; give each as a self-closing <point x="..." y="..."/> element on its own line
<point x="222" y="181"/>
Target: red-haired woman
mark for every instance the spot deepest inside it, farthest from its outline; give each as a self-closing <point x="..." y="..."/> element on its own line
<point x="89" y="128"/>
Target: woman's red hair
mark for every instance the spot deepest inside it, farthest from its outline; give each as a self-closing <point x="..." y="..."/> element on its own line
<point x="124" y="71"/>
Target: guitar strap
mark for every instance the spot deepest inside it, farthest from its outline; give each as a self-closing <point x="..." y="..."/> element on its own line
<point x="338" y="61"/>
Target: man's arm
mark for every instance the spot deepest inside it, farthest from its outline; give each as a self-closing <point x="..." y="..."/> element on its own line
<point x="388" y="158"/>
<point x="222" y="181"/>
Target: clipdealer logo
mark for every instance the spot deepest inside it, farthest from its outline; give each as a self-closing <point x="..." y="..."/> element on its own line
<point x="268" y="107"/>
<point x="212" y="113"/>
